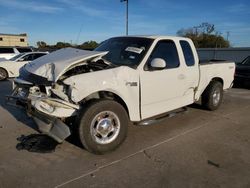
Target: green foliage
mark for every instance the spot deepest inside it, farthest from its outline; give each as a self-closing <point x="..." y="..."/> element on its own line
<point x="41" y="44"/>
<point x="88" y="45"/>
<point x="60" y="45"/>
<point x="204" y="36"/>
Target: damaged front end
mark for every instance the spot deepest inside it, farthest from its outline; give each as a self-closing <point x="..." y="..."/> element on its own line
<point x="41" y="91"/>
<point x="48" y="112"/>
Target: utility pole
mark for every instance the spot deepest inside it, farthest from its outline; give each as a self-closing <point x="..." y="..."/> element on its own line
<point x="228" y="34"/>
<point x="126" y="15"/>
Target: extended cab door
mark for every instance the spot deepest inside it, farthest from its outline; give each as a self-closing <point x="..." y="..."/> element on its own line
<point x="167" y="89"/>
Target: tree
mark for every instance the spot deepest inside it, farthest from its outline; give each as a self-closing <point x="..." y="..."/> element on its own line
<point x="41" y="44"/>
<point x="205" y="36"/>
<point x="62" y="45"/>
<point x="89" y="45"/>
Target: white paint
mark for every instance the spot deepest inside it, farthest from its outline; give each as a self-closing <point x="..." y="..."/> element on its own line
<point x="112" y="80"/>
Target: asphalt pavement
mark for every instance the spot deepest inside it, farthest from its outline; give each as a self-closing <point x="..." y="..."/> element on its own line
<point x="195" y="149"/>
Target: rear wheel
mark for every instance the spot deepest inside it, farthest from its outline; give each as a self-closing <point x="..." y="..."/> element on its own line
<point x="212" y="96"/>
<point x="3" y="74"/>
<point x="102" y="126"/>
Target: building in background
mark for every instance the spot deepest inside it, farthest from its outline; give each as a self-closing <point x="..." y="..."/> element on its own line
<point x="13" y="40"/>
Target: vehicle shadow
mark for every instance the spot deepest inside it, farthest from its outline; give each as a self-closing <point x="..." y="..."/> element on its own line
<point x="37" y="142"/>
<point x="18" y="113"/>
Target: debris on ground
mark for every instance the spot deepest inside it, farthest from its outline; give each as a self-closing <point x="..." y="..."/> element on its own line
<point x="38" y="143"/>
<point x="213" y="163"/>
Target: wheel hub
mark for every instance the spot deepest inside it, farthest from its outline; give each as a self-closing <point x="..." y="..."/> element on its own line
<point x="216" y="97"/>
<point x="105" y="127"/>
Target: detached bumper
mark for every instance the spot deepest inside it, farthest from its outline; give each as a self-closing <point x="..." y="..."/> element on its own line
<point x="51" y="126"/>
<point x="48" y="123"/>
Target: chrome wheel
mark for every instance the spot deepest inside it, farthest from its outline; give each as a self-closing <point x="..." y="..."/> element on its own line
<point x="105" y="127"/>
<point x="216" y="96"/>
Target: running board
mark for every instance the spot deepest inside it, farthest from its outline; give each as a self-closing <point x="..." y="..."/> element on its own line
<point x="163" y="117"/>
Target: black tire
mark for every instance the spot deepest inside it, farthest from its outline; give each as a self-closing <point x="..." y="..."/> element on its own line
<point x="90" y="140"/>
<point x="209" y="95"/>
<point x="3" y="74"/>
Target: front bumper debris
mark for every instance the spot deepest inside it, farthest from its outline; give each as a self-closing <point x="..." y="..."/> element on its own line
<point x="51" y="126"/>
<point x="48" y="123"/>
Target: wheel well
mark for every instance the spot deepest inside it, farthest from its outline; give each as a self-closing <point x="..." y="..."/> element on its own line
<point x="5" y="71"/>
<point x="217" y="79"/>
<point x="105" y="95"/>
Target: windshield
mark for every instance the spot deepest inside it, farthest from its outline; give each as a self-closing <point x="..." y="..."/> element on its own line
<point x="125" y="50"/>
<point x="16" y="57"/>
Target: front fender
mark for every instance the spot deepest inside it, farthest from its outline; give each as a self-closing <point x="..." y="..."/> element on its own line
<point x="111" y="80"/>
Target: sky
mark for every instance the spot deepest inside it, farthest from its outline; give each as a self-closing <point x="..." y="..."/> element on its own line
<point x="77" y="21"/>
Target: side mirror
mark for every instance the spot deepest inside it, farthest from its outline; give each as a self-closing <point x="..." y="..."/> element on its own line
<point x="158" y="64"/>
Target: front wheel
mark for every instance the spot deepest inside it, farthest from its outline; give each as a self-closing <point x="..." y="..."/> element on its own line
<point x="102" y="126"/>
<point x="212" y="96"/>
<point x="3" y="74"/>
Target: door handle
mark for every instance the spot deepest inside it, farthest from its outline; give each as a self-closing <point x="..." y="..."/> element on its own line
<point x="181" y="77"/>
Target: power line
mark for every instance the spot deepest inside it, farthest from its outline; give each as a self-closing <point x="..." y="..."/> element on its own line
<point x="77" y="38"/>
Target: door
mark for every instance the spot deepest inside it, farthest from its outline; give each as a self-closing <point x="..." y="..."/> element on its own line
<point x="192" y="73"/>
<point x="163" y="90"/>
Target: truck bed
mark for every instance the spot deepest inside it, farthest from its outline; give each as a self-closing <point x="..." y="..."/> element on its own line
<point x="223" y="70"/>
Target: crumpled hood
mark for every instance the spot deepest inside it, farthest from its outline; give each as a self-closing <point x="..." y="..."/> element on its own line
<point x="55" y="64"/>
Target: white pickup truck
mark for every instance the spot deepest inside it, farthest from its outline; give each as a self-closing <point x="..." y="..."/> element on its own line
<point x="134" y="78"/>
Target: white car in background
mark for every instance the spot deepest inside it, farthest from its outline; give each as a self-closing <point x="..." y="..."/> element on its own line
<point x="10" y="68"/>
<point x="9" y="52"/>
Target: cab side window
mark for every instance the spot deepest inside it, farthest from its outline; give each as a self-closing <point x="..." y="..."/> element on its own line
<point x="38" y="55"/>
<point x="28" y="57"/>
<point x="167" y="51"/>
<point x="187" y="52"/>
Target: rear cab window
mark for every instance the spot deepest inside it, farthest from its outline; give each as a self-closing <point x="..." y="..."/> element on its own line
<point x="22" y="50"/>
<point x="188" y="53"/>
<point x="6" y="50"/>
<point x="166" y="50"/>
<point x="28" y="57"/>
<point x="38" y="55"/>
